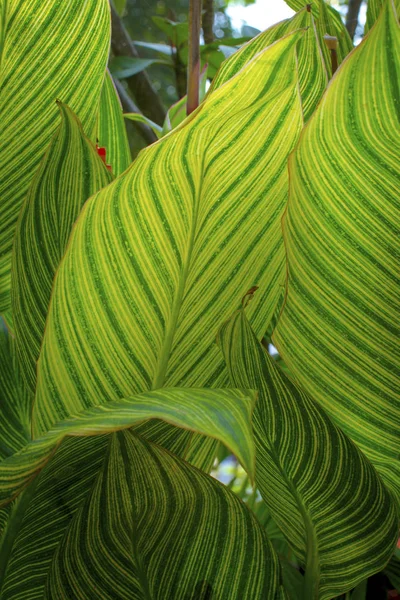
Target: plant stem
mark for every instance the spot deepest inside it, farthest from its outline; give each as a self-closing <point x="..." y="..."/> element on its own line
<point x="193" y="56"/>
<point x="352" y="16"/>
<point x="208" y="21"/>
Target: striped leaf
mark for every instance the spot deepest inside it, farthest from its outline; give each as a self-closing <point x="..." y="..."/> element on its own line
<point x="70" y="172"/>
<point x="374" y="8"/>
<point x="222" y="414"/>
<point x="313" y="76"/>
<point x="14" y="401"/>
<point x="111" y="132"/>
<point x="328" y="21"/>
<point x="156" y="257"/>
<point x="339" y="330"/>
<point x="51" y="50"/>
<point x="133" y="521"/>
<point x="321" y="490"/>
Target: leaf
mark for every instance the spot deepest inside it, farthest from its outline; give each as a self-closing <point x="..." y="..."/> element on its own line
<point x="111" y="131"/>
<point x="177" y="33"/>
<point x="313" y="76"/>
<point x="330" y="22"/>
<point x="126" y="66"/>
<point x="392" y="572"/>
<point x="120" y="6"/>
<point x="338" y="333"/>
<point x="321" y="490"/>
<point x="159" y="48"/>
<point x="142" y="119"/>
<point x="70" y="172"/>
<point x="121" y="516"/>
<point x="374" y="8"/>
<point x="63" y="56"/>
<point x="176" y="114"/>
<point x="14" y="401"/>
<point x="222" y="414"/>
<point x="157" y="256"/>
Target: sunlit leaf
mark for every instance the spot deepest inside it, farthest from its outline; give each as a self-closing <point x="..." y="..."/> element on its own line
<point x="158" y="258"/>
<point x="51" y="50"/>
<point x="339" y="331"/>
<point x="69" y="174"/>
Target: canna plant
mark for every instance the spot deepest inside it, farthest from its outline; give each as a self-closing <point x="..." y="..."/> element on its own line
<point x="138" y="299"/>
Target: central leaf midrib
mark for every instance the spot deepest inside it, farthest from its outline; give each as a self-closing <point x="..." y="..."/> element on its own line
<point x="165" y="352"/>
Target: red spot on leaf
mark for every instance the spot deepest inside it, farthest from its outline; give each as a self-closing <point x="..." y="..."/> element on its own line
<point x="102" y="153"/>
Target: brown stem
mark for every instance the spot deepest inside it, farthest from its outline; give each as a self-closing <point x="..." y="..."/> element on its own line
<point x="332" y="44"/>
<point x="208" y="21"/>
<point x="145" y="95"/>
<point x="129" y="106"/>
<point x="193" y="56"/>
<point x="352" y="16"/>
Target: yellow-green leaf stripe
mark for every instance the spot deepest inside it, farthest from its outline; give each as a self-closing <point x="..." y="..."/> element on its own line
<point x="50" y="50"/>
<point x="339" y="331"/>
<point x="157" y="259"/>
<point x="320" y="489"/>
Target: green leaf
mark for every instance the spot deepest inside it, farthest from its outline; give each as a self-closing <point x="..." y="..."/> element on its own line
<point x="51" y="50"/>
<point x="222" y="414"/>
<point x="330" y="22"/>
<point x="177" y="33"/>
<point x="392" y="571"/>
<point x="374" y="8"/>
<point x="142" y="119"/>
<point x="70" y="172"/>
<point x="321" y="490"/>
<point x="118" y="518"/>
<point x="120" y="6"/>
<point x="157" y="258"/>
<point x="338" y="333"/>
<point x="14" y="401"/>
<point x="159" y="48"/>
<point x="360" y="591"/>
<point x="126" y="66"/>
<point x="176" y="114"/>
<point x="313" y="76"/>
<point x="111" y="132"/>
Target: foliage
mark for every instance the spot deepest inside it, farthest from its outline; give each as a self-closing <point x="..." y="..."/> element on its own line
<point x="135" y="296"/>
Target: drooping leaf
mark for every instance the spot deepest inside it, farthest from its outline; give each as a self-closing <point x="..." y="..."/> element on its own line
<point x="339" y="330"/>
<point x="313" y="76"/>
<point x="224" y="415"/>
<point x="156" y="259"/>
<point x="330" y="23"/>
<point x="142" y="119"/>
<point x="126" y="66"/>
<point x="177" y="113"/>
<point x="14" y="400"/>
<point x="111" y="132"/>
<point x="392" y="571"/>
<point x="132" y="521"/>
<point x="69" y="174"/>
<point x="51" y="50"/>
<point x="321" y="490"/>
<point x="159" y="48"/>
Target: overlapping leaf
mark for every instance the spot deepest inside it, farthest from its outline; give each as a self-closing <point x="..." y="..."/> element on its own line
<point x="339" y="330"/>
<point x="321" y="490"/>
<point x="14" y="400"/>
<point x="50" y="50"/>
<point x="156" y="257"/>
<point x="222" y="414"/>
<point x="111" y="132"/>
<point x="374" y="8"/>
<point x="313" y="76"/>
<point x="136" y="523"/>
<point x="69" y="174"/>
